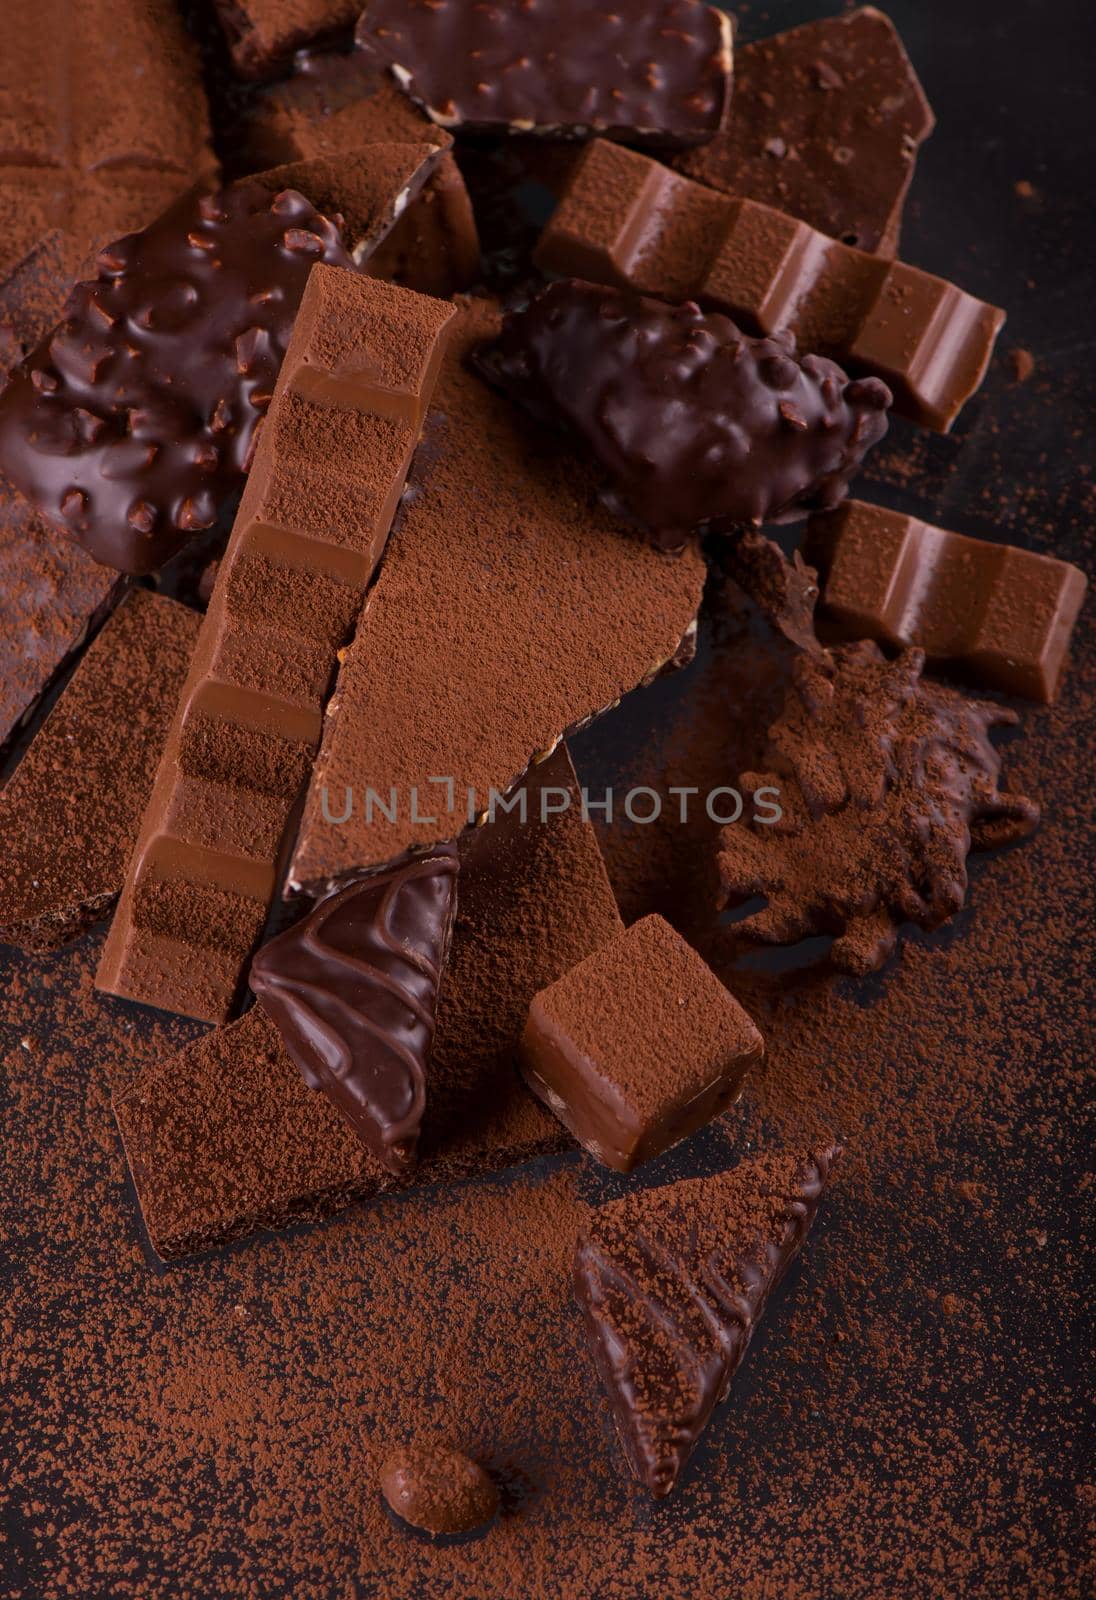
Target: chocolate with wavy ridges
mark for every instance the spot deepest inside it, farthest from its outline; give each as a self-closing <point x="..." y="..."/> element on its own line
<point x="696" y="424"/>
<point x="672" y="1283"/>
<point x="353" y="991"/>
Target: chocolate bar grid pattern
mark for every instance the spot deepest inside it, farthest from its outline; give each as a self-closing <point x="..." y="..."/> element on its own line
<point x="329" y="470"/>
<point x="628" y="221"/>
<point x="999" y="615"/>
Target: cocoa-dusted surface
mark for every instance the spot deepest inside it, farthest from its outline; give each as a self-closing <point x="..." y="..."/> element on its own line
<point x="695" y="423"/>
<point x="353" y="990"/>
<point x="132" y="456"/>
<point x="997" y="615"/>
<point x="672" y="1282"/>
<point x="69" y="814"/>
<point x="103" y="120"/>
<point x="509" y="610"/>
<point x="637" y="1046"/>
<point x="52" y="594"/>
<point x="166" y="1434"/>
<point x="826" y="124"/>
<point x="227" y="1138"/>
<point x="659" y="71"/>
<point x="264" y="34"/>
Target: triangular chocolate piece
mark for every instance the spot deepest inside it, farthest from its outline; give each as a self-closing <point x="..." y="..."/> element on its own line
<point x="672" y="1283"/>
<point x="353" y="990"/>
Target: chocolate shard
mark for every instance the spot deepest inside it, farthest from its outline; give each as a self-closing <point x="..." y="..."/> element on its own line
<point x="263" y="35"/>
<point x="226" y="1137"/>
<point x="659" y="73"/>
<point x="696" y="424"/>
<point x="329" y="470"/>
<point x="538" y="603"/>
<point x="353" y="990"/>
<point x="998" y="615"/>
<point x="144" y="377"/>
<point x="784" y="591"/>
<point x="69" y="814"/>
<point x="886" y="783"/>
<point x="627" y="221"/>
<point x="827" y="123"/>
<point x="672" y="1283"/>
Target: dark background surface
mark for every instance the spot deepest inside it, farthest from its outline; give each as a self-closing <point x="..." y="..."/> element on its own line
<point x="996" y="1386"/>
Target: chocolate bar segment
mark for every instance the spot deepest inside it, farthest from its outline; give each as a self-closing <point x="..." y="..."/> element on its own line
<point x="638" y="1046"/>
<point x="263" y="35"/>
<point x="131" y="424"/>
<point x="353" y="991"/>
<point x="658" y="72"/>
<point x="672" y="1283"/>
<point x="69" y="814"/>
<point x="503" y="587"/>
<point x="696" y="424"/>
<point x="627" y="221"/>
<point x="227" y="1137"/>
<point x="52" y="595"/>
<point x="999" y="615"/>
<point x="827" y="123"/>
<point x="320" y="497"/>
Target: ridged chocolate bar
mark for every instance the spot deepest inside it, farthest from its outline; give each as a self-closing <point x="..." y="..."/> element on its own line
<point x="629" y="221"/>
<point x="1001" y="616"/>
<point x="328" y="473"/>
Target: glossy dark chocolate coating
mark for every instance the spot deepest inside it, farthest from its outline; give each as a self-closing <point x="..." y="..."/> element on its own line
<point x="353" y="990"/>
<point x="696" y="423"/>
<point x="659" y="72"/>
<point x="671" y="1299"/>
<point x="131" y="425"/>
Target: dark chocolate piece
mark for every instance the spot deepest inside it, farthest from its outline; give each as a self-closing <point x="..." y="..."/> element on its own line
<point x="69" y="814"/>
<point x="263" y="35"/>
<point x="52" y="595"/>
<point x="437" y="1489"/>
<point x="672" y="1283"/>
<point x="638" y="1046"/>
<point x="226" y="1137"/>
<point x="886" y="783"/>
<point x="827" y="123"/>
<point x="538" y="603"/>
<point x="353" y="990"/>
<point x="784" y="591"/>
<point x="658" y="72"/>
<point x="999" y="615"/>
<point x="696" y="424"/>
<point x="628" y="221"/>
<point x="136" y="419"/>
<point x="328" y="474"/>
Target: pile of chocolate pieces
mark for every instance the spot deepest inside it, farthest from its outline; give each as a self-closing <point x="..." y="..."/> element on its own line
<point x="357" y="549"/>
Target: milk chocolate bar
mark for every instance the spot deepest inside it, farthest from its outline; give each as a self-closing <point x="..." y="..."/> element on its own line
<point x="52" y="595"/>
<point x="626" y="220"/>
<point x="638" y="1046"/>
<point x="827" y="123"/>
<point x="320" y="498"/>
<point x="538" y="603"/>
<point x="672" y="1283"/>
<point x="658" y="72"/>
<point x="263" y="35"/>
<point x="353" y="991"/>
<point x="696" y="424"/>
<point x="69" y="814"/>
<point x="999" y="615"/>
<point x="227" y="1137"/>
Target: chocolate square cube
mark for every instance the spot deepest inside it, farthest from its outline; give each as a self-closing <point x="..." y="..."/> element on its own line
<point x="638" y="1046"/>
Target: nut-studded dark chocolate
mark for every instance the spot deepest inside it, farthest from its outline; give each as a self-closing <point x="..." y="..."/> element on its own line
<point x="696" y="423"/>
<point x="134" y="421"/>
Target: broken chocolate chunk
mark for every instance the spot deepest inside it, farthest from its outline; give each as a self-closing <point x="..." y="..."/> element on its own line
<point x="638" y="1046"/>
<point x="697" y="424"/>
<point x="784" y="591"/>
<point x="658" y="72"/>
<point x="886" y="784"/>
<point x="353" y="990"/>
<point x="672" y="1283"/>
<point x="134" y="421"/>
